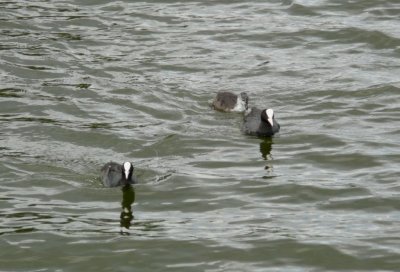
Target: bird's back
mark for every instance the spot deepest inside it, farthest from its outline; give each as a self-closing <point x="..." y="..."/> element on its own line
<point x="111" y="174"/>
<point x="225" y="101"/>
<point x="252" y="121"/>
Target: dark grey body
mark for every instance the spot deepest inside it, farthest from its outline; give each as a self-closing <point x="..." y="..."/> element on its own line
<point x="227" y="101"/>
<point x="255" y="125"/>
<point x="112" y="175"/>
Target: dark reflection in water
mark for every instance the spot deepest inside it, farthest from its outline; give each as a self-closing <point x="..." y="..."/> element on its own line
<point x="128" y="197"/>
<point x="265" y="148"/>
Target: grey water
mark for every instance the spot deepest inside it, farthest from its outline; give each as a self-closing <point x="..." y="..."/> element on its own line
<point x="86" y="82"/>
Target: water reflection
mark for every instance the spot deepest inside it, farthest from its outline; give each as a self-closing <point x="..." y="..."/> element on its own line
<point x="128" y="197"/>
<point x="265" y="148"/>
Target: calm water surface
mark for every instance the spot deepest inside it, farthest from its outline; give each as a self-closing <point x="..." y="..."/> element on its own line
<point x="86" y="82"/>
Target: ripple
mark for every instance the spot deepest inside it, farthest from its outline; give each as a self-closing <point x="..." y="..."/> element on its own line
<point x="369" y="204"/>
<point x="12" y="92"/>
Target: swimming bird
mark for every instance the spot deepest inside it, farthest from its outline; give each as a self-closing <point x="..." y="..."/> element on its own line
<point x="227" y="101"/>
<point x="260" y="123"/>
<point x="114" y="174"/>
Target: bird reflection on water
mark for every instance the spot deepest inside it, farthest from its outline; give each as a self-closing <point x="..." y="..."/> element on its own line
<point x="265" y="149"/>
<point x="128" y="197"/>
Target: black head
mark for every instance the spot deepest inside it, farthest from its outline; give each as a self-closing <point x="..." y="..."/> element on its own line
<point x="127" y="170"/>
<point x="267" y="116"/>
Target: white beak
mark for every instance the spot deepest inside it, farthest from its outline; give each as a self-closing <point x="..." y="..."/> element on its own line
<point x="126" y="174"/>
<point x="271" y="121"/>
<point x="270" y="115"/>
<point x="127" y="167"/>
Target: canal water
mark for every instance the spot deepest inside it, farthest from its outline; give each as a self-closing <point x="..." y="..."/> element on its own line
<point x="87" y="82"/>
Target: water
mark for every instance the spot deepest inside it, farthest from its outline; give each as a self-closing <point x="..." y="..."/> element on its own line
<point x="86" y="82"/>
